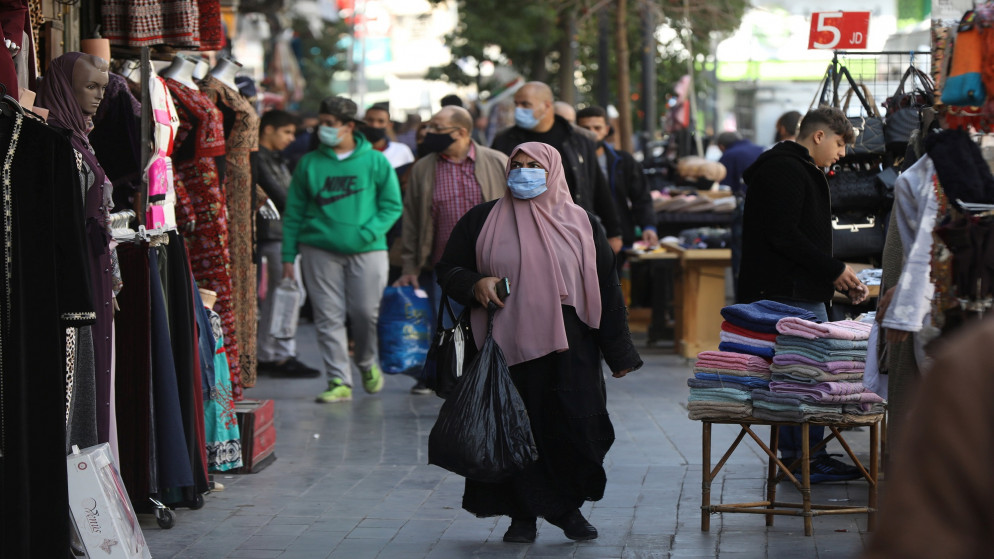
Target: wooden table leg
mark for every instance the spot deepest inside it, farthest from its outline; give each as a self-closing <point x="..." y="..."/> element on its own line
<point x="871" y="500"/>
<point x="706" y="478"/>
<point x="771" y="476"/>
<point x="806" y="477"/>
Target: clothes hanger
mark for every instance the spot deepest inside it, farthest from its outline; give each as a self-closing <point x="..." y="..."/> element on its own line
<point x="8" y="103"/>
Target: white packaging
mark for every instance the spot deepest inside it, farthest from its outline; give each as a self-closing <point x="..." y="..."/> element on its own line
<point x="100" y="506"/>
<point x="286" y="310"/>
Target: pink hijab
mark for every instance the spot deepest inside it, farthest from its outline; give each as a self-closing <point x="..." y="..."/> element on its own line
<point x="545" y="247"/>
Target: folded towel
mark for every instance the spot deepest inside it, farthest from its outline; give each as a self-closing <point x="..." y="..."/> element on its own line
<point x="821" y="344"/>
<point x="765" y="352"/>
<point x="828" y="392"/>
<point x="864" y="408"/>
<point x="796" y="408"/>
<point x="821" y="355"/>
<point x="727" y="383"/>
<point x="764" y="374"/>
<point x="732" y="360"/>
<point x="719" y="410"/>
<point x="727" y="326"/>
<point x="861" y="417"/>
<point x="744" y="340"/>
<point x="762" y="316"/>
<point x="797" y="416"/>
<point x="751" y="381"/>
<point x="840" y="330"/>
<point x="717" y="395"/>
<point x="828" y="366"/>
<point x="812" y="375"/>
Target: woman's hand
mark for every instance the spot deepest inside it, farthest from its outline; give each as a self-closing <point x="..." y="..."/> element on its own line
<point x="621" y="373"/>
<point x="485" y="291"/>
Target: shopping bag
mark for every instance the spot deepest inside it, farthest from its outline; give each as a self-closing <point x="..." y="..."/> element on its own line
<point x="451" y="350"/>
<point x="483" y="432"/>
<point x="404" y="330"/>
<point x="286" y="310"/>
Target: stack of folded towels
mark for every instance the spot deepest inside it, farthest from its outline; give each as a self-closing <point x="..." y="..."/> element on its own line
<point x="724" y="380"/>
<point x="817" y="374"/>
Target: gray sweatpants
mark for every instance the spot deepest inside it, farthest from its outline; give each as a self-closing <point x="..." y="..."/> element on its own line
<point x="341" y="285"/>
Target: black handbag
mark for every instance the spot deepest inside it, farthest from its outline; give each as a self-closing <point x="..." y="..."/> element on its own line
<point x="857" y="236"/>
<point x="869" y="128"/>
<point x="451" y="350"/>
<point x="904" y="107"/>
<point x="854" y="186"/>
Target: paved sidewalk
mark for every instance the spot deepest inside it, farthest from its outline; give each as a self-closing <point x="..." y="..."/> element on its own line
<point x="351" y="481"/>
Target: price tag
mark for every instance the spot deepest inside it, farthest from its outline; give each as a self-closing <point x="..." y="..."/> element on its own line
<point x="839" y="30"/>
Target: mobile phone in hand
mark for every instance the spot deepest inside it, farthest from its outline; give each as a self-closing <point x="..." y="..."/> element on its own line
<point x="503" y="288"/>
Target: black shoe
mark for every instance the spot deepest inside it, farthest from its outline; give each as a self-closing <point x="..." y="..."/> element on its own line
<point x="420" y="389"/>
<point x="574" y="526"/>
<point x="291" y="368"/>
<point x="825" y="468"/>
<point x="521" y="530"/>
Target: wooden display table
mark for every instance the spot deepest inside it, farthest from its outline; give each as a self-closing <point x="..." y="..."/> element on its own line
<point x="698" y="294"/>
<point x="771" y="506"/>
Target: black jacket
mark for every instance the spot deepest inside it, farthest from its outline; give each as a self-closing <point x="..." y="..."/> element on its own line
<point x="586" y="182"/>
<point x="274" y="178"/>
<point x="787" y="229"/>
<point x="626" y="181"/>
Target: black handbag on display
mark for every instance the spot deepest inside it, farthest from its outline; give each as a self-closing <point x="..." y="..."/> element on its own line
<point x="854" y="186"/>
<point x="451" y="350"/>
<point x="904" y="107"/>
<point x="870" y="127"/>
<point x="857" y="236"/>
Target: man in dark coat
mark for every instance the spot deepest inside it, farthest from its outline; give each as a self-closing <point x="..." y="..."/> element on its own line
<point x="787" y="244"/>
<point x="536" y="121"/>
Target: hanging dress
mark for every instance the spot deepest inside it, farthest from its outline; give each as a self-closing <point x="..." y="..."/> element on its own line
<point x="241" y="127"/>
<point x="224" y="443"/>
<point x="201" y="199"/>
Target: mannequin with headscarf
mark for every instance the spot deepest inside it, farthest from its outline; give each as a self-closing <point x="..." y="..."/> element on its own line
<point x="72" y="90"/>
<point x="564" y="311"/>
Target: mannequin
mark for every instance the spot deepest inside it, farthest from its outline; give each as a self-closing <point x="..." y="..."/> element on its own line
<point x="203" y="67"/>
<point x="181" y="70"/>
<point x="72" y="91"/>
<point x="225" y="72"/>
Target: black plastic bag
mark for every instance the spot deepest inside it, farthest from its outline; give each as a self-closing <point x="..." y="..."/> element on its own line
<point x="483" y="431"/>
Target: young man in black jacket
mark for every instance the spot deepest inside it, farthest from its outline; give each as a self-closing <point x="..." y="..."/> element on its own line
<point x="787" y="244"/>
<point x="535" y="121"/>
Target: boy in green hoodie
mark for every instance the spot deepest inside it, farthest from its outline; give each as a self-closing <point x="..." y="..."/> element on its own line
<point x="343" y="199"/>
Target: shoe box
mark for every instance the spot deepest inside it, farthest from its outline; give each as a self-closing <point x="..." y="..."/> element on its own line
<point x="258" y="432"/>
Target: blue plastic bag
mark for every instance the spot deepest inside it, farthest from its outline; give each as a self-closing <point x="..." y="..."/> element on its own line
<point x="404" y="330"/>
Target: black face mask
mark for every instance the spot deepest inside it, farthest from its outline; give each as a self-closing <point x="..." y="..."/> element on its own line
<point x="374" y="134"/>
<point x="436" y="143"/>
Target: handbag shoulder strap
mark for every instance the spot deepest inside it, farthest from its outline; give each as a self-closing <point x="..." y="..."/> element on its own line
<point x="861" y="93"/>
<point x="823" y="90"/>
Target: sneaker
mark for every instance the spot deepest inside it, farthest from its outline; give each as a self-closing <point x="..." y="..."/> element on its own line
<point x="420" y="389"/>
<point x="825" y="468"/>
<point x="337" y="392"/>
<point x="372" y="379"/>
<point x="292" y="368"/>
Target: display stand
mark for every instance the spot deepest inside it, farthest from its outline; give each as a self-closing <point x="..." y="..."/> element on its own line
<point x="771" y="506"/>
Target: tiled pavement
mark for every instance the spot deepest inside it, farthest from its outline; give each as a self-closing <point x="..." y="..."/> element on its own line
<point x="352" y="481"/>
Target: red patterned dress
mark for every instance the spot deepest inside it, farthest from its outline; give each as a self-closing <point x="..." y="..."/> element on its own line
<point x="241" y="128"/>
<point x="200" y="198"/>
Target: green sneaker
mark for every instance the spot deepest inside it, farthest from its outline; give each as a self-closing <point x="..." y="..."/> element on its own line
<point x="337" y="392"/>
<point x="372" y="380"/>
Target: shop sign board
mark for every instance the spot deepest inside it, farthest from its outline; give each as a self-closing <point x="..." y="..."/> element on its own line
<point x="839" y="30"/>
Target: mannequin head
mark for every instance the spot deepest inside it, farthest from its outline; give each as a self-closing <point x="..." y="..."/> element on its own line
<point x="89" y="81"/>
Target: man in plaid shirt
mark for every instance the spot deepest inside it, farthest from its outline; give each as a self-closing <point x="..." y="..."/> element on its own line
<point x="456" y="175"/>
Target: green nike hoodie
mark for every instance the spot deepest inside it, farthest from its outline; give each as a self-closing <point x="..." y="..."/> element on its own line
<point x="344" y="206"/>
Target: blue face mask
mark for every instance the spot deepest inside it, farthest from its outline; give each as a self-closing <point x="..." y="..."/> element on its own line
<point x="329" y="136"/>
<point x="525" y="183"/>
<point x="525" y="118"/>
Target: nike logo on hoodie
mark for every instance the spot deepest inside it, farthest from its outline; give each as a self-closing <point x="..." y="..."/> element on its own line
<point x="335" y="189"/>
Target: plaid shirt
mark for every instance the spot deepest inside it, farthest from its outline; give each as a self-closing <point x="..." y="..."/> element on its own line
<point x="456" y="192"/>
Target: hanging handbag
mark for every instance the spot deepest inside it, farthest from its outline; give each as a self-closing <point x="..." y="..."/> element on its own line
<point x="904" y="108"/>
<point x="451" y="350"/>
<point x="853" y="185"/>
<point x="857" y="236"/>
<point x="870" y="127"/>
<point x="964" y="85"/>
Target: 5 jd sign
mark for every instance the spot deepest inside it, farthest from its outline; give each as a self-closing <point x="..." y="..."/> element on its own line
<point x="838" y="30"/>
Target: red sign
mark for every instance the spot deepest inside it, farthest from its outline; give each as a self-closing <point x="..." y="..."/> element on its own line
<point x="839" y="30"/>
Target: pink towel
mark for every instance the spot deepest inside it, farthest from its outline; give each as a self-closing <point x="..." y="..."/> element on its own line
<point x="828" y="391"/>
<point x="840" y="330"/>
<point x="731" y="360"/>
<point x="764" y="374"/>
<point x="787" y="359"/>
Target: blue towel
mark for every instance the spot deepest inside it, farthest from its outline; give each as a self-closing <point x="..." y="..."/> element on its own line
<point x="732" y="380"/>
<point x="762" y="316"/>
<point x="766" y="352"/>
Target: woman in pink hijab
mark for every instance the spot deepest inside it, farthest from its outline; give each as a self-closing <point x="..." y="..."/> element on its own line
<point x="564" y="311"/>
